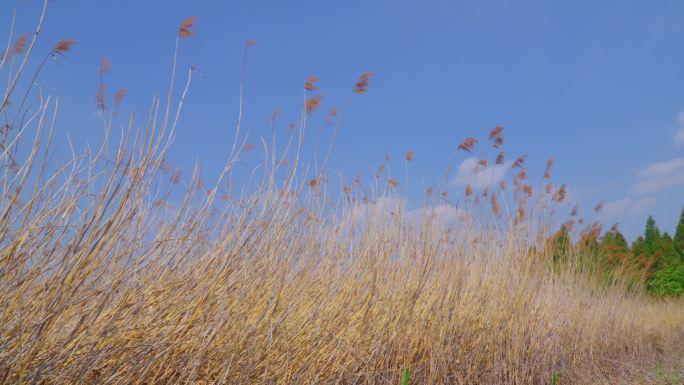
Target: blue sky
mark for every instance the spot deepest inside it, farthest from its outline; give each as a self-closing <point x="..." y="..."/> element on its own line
<point x="595" y="85"/>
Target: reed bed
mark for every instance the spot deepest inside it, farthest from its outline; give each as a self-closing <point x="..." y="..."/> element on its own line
<point x="109" y="275"/>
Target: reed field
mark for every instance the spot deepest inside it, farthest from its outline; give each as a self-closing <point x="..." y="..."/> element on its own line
<point x="116" y="268"/>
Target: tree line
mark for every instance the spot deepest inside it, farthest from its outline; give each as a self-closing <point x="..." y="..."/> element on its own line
<point x="655" y="259"/>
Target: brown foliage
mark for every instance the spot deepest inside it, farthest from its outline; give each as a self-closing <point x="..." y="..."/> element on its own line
<point x="313" y="103"/>
<point x="186" y="27"/>
<point x="468" y="144"/>
<point x="361" y="86"/>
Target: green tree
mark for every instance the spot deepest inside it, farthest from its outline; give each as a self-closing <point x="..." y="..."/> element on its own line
<point x="653" y="253"/>
<point x="620" y="240"/>
<point x="620" y="261"/>
<point x="652" y="237"/>
<point x="639" y="246"/>
<point x="659" y="252"/>
<point x="642" y="257"/>
<point x="614" y="248"/>
<point x="679" y="237"/>
<point x="670" y="256"/>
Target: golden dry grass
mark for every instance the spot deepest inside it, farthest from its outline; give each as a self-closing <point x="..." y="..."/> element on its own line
<point x="103" y="280"/>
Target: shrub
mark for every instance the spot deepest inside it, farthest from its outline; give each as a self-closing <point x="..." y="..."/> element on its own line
<point x="667" y="282"/>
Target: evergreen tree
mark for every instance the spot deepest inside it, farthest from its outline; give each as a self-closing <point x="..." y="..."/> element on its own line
<point x="621" y="241"/>
<point x="670" y="257"/>
<point x="653" y="246"/>
<point x="620" y="260"/>
<point x="679" y="237"/>
<point x="614" y="248"/>
<point x="652" y="237"/>
<point x="639" y="246"/>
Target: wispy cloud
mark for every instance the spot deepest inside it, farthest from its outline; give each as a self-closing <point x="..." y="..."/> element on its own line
<point x="445" y="214"/>
<point x="628" y="206"/>
<point x="658" y="176"/>
<point x="378" y="209"/>
<point x="650" y="180"/>
<point x="479" y="177"/>
<point x="679" y="135"/>
<point x="381" y="209"/>
<point x="661" y="168"/>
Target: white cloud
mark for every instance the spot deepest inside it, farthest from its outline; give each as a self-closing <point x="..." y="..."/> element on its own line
<point x="656" y="184"/>
<point x="383" y="209"/>
<point x="661" y="168"/>
<point x="445" y="214"/>
<point x="479" y="177"/>
<point x="628" y="206"/>
<point x="379" y="208"/>
<point x="679" y="135"/>
<point x="658" y="176"/>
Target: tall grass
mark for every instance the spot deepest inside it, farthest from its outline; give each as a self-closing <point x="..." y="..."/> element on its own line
<point x="106" y="279"/>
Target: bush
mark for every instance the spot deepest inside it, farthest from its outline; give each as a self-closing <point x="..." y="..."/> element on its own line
<point x="667" y="282"/>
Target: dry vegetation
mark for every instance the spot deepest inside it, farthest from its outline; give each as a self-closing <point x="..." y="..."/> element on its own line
<point x="104" y="278"/>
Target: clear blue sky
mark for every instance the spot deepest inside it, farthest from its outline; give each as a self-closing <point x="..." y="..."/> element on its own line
<point x="598" y="85"/>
